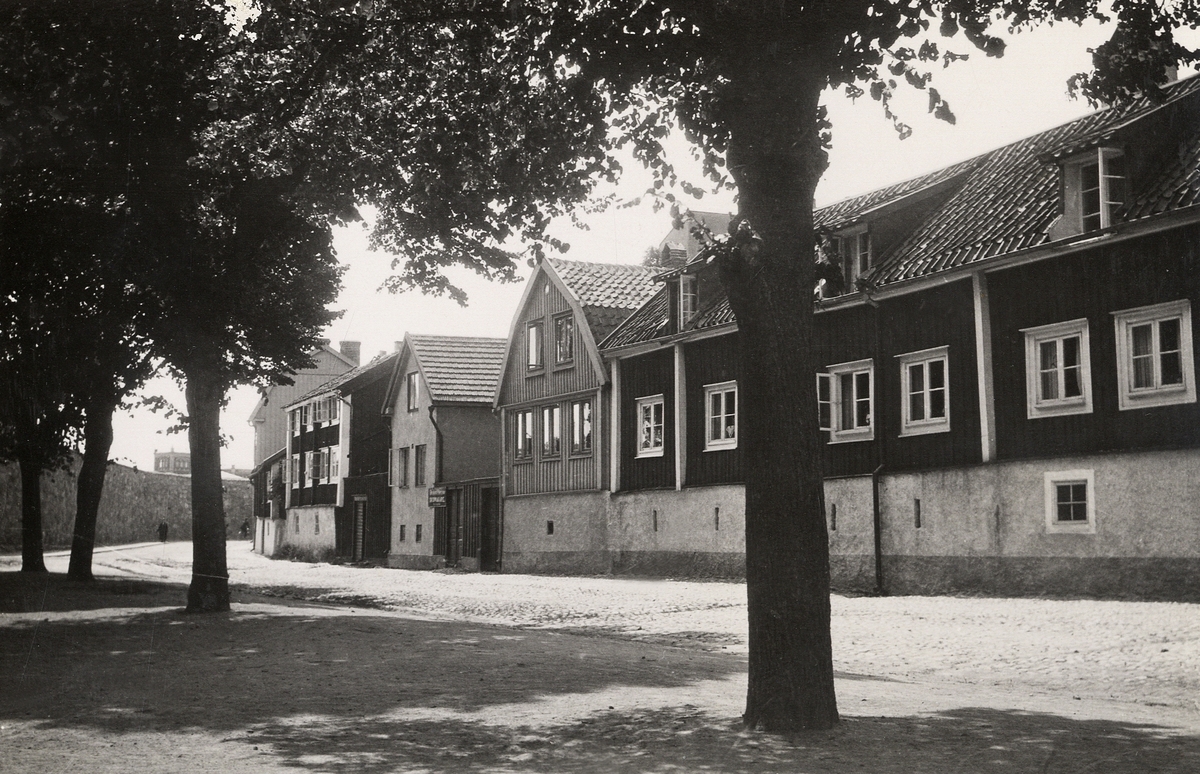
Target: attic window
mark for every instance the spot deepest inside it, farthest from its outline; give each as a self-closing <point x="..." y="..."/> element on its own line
<point x="687" y="299"/>
<point x="1102" y="188"/>
<point x="854" y="253"/>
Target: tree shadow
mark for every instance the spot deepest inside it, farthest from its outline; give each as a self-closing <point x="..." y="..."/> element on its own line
<point x="684" y="739"/>
<point x="23" y="592"/>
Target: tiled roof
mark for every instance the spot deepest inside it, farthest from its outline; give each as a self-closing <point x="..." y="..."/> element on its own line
<point x="996" y="203"/>
<point x="1009" y="199"/>
<point x="608" y="292"/>
<point x="379" y="366"/>
<point x="459" y="369"/>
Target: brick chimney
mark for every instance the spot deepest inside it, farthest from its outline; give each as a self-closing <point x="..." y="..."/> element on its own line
<point x="351" y="349"/>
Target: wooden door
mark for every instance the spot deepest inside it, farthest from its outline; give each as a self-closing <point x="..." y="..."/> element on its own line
<point x="453" y="526"/>
<point x="489" y="543"/>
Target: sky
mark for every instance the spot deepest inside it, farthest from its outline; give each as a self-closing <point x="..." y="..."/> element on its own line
<point x="996" y="101"/>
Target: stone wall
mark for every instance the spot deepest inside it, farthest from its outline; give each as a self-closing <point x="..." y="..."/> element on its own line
<point x="132" y="506"/>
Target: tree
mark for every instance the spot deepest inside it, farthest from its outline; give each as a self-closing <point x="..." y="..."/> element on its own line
<point x="472" y="122"/>
<point x="231" y="270"/>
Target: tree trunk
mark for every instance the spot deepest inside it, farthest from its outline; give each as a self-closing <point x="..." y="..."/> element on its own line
<point x="31" y="515"/>
<point x="776" y="156"/>
<point x="209" y="590"/>
<point x="98" y="438"/>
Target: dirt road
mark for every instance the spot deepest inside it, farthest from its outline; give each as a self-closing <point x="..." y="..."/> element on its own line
<point x="325" y="668"/>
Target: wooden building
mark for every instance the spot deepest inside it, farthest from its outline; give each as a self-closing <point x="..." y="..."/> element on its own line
<point x="337" y="496"/>
<point x="444" y="467"/>
<point x="553" y="398"/>
<point x="270" y="422"/>
<point x="1006" y="385"/>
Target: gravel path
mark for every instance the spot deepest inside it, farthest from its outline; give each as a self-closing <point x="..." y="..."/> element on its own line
<point x="1143" y="652"/>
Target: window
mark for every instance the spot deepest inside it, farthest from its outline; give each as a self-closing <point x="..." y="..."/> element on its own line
<point x="333" y="456"/>
<point x="400" y="537"/>
<point x="926" y="403"/>
<point x="1154" y="356"/>
<point x="720" y="416"/>
<point x="296" y="523"/>
<point x="293" y="421"/>
<point x="417" y="531"/>
<point x="824" y="403"/>
<point x="551" y="431"/>
<point x="412" y="384"/>
<point x="687" y="299"/>
<point x="650" y="426"/>
<point x="564" y="339"/>
<point x="533" y="345"/>
<point x="304" y="416"/>
<point x="294" y="470"/>
<point x="398" y="468"/>
<point x="1058" y="369"/>
<point x="320" y="411"/>
<point x="317" y="523"/>
<point x="335" y="406"/>
<point x="523" y="435"/>
<point x="581" y="427"/>
<point x="1101" y="189"/>
<point x="419" y="466"/>
<point x="851" y="387"/>
<point x="855" y="252"/>
<point x="1070" y="501"/>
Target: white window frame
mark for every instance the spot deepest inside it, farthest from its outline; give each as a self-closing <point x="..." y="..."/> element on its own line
<point x="1036" y="406"/>
<point x="688" y="299"/>
<point x="335" y="408"/>
<point x="333" y="455"/>
<point x="649" y="402"/>
<point x="724" y="389"/>
<point x="566" y="321"/>
<point x="853" y="246"/>
<point x="522" y="433"/>
<point x="1129" y="397"/>
<point x="928" y="425"/>
<point x="827" y="401"/>
<point x="294" y="421"/>
<point x="1052" y="479"/>
<point x="1100" y="158"/>
<point x="305" y="415"/>
<point x="320" y="411"/>
<point x="837" y="433"/>
<point x="535" y="346"/>
<point x="294" y="471"/>
<point x="551" y="432"/>
<point x="412" y="389"/>
<point x="398" y="468"/>
<point x="578" y="423"/>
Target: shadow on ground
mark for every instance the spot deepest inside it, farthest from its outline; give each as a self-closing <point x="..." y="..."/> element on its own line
<point x="26" y="592"/>
<point x="318" y="688"/>
<point x="684" y="739"/>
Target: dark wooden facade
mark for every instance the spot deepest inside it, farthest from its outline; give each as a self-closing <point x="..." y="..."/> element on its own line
<point x="1135" y="273"/>
<point x="652" y="374"/>
<point x="364" y="517"/>
<point x="709" y="361"/>
<point x="468" y="527"/>
<point x="304" y="492"/>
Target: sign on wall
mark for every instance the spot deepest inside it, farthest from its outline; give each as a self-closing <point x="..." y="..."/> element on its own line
<point x="437" y="497"/>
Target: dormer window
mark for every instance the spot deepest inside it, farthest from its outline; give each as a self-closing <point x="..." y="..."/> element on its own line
<point x="854" y="251"/>
<point x="1101" y="188"/>
<point x="688" y="300"/>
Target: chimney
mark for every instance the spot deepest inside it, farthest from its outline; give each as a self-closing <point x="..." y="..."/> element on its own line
<point x="397" y="345"/>
<point x="351" y="349"/>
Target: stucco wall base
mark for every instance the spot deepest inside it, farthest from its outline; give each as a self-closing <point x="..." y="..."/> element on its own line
<point x="679" y="564"/>
<point x="415" y="562"/>
<point x="558" y="562"/>
<point x="1160" y="578"/>
<point x="852" y="573"/>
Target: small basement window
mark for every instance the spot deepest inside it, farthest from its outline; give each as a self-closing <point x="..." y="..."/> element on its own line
<point x="1070" y="501"/>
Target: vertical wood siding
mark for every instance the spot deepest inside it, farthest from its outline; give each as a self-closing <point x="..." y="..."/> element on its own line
<point x="1151" y="270"/>
<point x="641" y="377"/>
<point x="544" y="303"/>
<point x="842" y="336"/>
<point x="709" y="361"/>
<point x="562" y="473"/>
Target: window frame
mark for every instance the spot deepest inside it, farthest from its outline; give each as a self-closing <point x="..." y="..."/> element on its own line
<point x="398" y="467"/>
<point x="827" y="425"/>
<point x="649" y="401"/>
<point x="1131" y="398"/>
<point x="837" y="434"/>
<point x="851" y="254"/>
<point x="1051" y="481"/>
<point x="526" y="454"/>
<point x="723" y="389"/>
<point x="928" y="425"/>
<point x="578" y="447"/>
<point x="551" y="432"/>
<point x="420" y="460"/>
<point x="688" y="291"/>
<point x="412" y="389"/>
<point x="535" y="354"/>
<point x="566" y="319"/>
<point x="1035" y="405"/>
<point x="1100" y="159"/>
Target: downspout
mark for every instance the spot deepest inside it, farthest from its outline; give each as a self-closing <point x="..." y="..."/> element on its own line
<point x="880" y="447"/>
<point x="437" y="452"/>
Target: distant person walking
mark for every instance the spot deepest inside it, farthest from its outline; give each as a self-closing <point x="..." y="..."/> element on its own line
<point x="162" y="532"/>
<point x="244" y="532"/>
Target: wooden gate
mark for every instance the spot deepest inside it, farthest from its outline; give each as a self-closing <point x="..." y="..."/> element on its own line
<point x="360" y="527"/>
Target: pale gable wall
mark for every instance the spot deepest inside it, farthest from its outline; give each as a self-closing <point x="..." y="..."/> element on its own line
<point x="410" y="504"/>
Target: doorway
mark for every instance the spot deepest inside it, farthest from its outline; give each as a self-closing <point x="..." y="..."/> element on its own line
<point x="489" y="544"/>
<point x="360" y="528"/>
